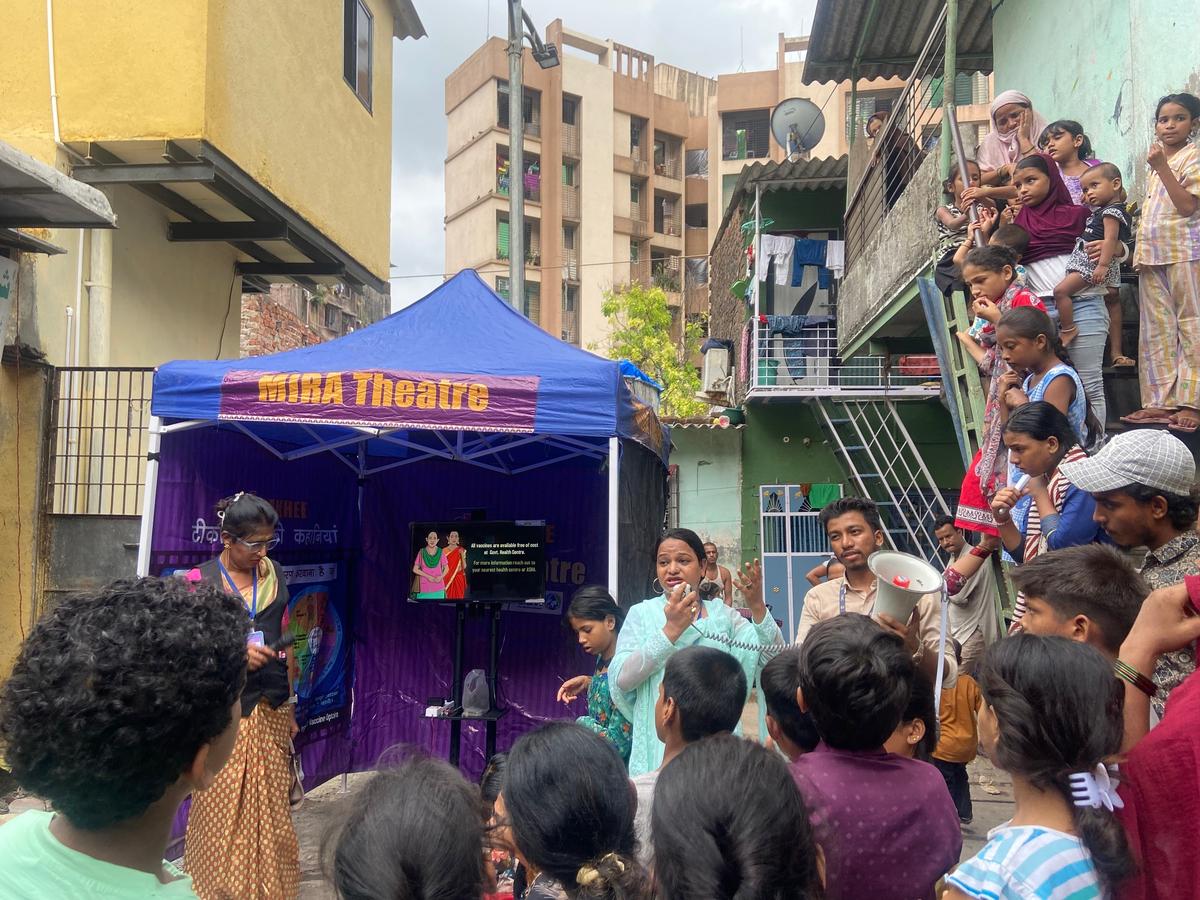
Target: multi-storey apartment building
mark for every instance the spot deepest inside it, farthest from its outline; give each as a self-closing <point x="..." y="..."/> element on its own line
<point x="627" y="162"/>
<point x="603" y="178"/>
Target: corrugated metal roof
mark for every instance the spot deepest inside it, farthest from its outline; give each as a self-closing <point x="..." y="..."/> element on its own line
<point x="805" y="174"/>
<point x="818" y="173"/>
<point x="895" y="34"/>
<point x="407" y="22"/>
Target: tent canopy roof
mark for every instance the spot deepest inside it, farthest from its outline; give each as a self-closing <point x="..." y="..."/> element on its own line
<point x="458" y="360"/>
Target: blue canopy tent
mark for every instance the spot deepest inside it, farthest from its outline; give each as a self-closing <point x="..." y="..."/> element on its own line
<point x="457" y="379"/>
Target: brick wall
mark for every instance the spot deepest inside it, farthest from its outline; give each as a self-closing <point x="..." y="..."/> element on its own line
<point x="727" y="314"/>
<point x="269" y="326"/>
<point x="291" y="317"/>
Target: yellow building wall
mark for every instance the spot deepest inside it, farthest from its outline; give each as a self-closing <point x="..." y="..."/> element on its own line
<point x="125" y="69"/>
<point x="262" y="82"/>
<point x="20" y="449"/>
<point x="169" y="301"/>
<point x="276" y="103"/>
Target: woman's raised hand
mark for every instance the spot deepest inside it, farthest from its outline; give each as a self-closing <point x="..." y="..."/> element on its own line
<point x="683" y="605"/>
<point x="749" y="583"/>
<point x="573" y="687"/>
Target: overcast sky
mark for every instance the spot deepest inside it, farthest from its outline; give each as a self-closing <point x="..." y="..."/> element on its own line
<point x="700" y="36"/>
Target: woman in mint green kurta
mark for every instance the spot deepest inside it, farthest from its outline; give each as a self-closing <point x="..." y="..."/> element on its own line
<point x="658" y="627"/>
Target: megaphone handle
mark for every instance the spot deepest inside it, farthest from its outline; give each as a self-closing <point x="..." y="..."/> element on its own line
<point x="941" y="663"/>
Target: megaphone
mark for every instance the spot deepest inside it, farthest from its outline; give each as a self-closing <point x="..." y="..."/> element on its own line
<point x="902" y="580"/>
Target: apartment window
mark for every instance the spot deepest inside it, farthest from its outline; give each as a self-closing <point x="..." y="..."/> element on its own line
<point x="746" y="135"/>
<point x="568" y="237"/>
<point x="635" y="251"/>
<point x="635" y="193"/>
<point x="570" y="174"/>
<point x="968" y="90"/>
<point x="869" y="103"/>
<point x="333" y="317"/>
<point x="357" y="49"/>
<point x="530" y="107"/>
<point x="532" y="244"/>
<point x="570" y="314"/>
<point x="570" y="111"/>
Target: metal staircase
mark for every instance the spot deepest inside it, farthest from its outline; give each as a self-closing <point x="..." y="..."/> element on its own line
<point x="881" y="458"/>
<point x="962" y="385"/>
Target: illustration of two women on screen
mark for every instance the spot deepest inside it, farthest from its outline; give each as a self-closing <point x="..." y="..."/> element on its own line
<point x="441" y="572"/>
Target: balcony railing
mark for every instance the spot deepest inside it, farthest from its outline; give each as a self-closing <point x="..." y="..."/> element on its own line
<point x="664" y="273"/>
<point x="902" y="144"/>
<point x="639" y="271"/>
<point x="570" y="264"/>
<point x="570" y="201"/>
<point x="669" y="168"/>
<point x="667" y="219"/>
<point x="792" y="357"/>
<point x="570" y="140"/>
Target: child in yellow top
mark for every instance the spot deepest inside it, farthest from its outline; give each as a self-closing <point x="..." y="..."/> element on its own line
<point x="959" y="740"/>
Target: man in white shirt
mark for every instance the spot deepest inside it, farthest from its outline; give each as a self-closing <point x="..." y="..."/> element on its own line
<point x="855" y="531"/>
<point x="974" y="618"/>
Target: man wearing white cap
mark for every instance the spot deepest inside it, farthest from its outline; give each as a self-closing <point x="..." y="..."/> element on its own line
<point x="1143" y="483"/>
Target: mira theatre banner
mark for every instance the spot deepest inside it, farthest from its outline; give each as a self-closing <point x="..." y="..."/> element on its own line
<point x="385" y="398"/>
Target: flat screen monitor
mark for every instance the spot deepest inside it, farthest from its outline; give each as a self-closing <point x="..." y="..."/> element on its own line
<point x="478" y="561"/>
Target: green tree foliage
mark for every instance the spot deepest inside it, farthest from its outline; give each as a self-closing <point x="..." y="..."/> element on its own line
<point x="640" y="325"/>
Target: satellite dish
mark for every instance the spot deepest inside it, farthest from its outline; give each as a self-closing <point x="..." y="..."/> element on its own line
<point x="797" y="125"/>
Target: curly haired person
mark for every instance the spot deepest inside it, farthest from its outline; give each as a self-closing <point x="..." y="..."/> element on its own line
<point x="121" y="703"/>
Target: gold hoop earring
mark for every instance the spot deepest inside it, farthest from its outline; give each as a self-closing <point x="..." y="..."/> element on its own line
<point x="660" y="588"/>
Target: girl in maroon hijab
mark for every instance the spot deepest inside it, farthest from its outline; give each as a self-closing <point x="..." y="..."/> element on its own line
<point x="1053" y="222"/>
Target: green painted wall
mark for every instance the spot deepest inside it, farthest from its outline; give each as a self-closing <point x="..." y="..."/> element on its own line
<point x="784" y="444"/>
<point x="1121" y="57"/>
<point x="709" y="484"/>
<point x="804" y="210"/>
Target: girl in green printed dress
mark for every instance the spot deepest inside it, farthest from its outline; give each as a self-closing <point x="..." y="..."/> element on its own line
<point x="596" y="618"/>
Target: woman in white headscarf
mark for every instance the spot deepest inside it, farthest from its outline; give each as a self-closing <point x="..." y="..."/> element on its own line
<point x="1016" y="126"/>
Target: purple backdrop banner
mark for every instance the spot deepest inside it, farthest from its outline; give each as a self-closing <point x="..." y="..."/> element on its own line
<point x="400" y="652"/>
<point x="316" y="498"/>
<point x="377" y="397"/>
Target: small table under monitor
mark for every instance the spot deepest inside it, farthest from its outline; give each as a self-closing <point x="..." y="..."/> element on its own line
<point x="492" y="609"/>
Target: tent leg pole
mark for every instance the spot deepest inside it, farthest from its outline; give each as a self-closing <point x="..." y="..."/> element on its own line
<point x="149" y="495"/>
<point x="614" y="517"/>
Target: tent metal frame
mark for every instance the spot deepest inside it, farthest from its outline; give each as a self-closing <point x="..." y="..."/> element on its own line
<point x="484" y="452"/>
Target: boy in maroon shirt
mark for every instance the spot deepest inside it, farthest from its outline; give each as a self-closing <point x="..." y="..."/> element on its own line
<point x="887" y="824"/>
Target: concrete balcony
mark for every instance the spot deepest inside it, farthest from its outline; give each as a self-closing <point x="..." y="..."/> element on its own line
<point x="631" y="165"/>
<point x="634" y="227"/>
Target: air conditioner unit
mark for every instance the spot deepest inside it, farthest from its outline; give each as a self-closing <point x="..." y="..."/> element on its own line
<point x="715" y="374"/>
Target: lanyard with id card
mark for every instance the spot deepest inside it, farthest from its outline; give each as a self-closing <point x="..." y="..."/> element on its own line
<point x="256" y="636"/>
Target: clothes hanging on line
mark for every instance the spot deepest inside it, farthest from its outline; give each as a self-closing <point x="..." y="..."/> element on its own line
<point x="810" y="252"/>
<point x="835" y="258"/>
<point x="777" y="248"/>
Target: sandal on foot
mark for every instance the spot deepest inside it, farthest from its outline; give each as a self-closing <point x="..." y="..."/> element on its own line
<point x="1124" y="362"/>
<point x="1149" y="416"/>
<point x="1188" y="424"/>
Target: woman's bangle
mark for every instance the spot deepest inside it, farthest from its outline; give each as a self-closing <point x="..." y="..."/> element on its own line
<point x="1129" y="674"/>
<point x="981" y="552"/>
